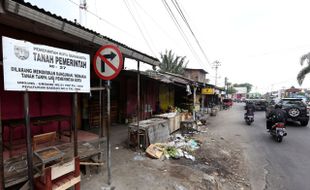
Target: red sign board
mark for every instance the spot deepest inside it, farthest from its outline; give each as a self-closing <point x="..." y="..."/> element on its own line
<point x="108" y="62"/>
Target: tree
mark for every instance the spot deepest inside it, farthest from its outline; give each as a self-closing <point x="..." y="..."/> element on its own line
<point x="231" y="90"/>
<point x="171" y="63"/>
<point x="302" y="74"/>
<point x="247" y="85"/>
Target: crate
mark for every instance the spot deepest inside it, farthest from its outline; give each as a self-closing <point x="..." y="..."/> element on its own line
<point x="155" y="130"/>
<point x="173" y="120"/>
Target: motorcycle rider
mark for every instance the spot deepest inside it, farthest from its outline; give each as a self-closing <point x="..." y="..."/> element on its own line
<point x="250" y="108"/>
<point x="276" y="115"/>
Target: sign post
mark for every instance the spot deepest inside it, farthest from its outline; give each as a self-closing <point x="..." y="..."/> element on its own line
<point x="28" y="140"/>
<point x="1" y="153"/>
<point x="108" y="62"/>
<point x="29" y="67"/>
<point x="108" y="131"/>
<point x="39" y="68"/>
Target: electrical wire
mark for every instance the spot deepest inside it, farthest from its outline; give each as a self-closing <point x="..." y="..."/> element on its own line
<point x="145" y="28"/>
<point x="170" y="37"/>
<point x="172" y="16"/>
<point x="140" y="29"/>
<point x="102" y="19"/>
<point x="178" y="8"/>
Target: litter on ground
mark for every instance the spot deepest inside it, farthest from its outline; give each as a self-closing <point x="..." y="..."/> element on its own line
<point x="177" y="147"/>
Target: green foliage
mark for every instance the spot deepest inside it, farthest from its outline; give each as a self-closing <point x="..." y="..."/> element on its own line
<point x="303" y="72"/>
<point x="247" y="85"/>
<point x="231" y="90"/>
<point x="171" y="63"/>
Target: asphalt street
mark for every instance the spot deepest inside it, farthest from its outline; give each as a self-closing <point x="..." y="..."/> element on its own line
<point x="272" y="165"/>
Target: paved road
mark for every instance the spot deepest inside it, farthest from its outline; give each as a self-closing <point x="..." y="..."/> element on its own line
<point x="272" y="165"/>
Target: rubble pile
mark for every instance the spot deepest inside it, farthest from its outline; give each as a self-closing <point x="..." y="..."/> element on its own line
<point x="177" y="147"/>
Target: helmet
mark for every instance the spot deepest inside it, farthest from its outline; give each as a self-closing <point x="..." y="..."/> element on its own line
<point x="278" y="106"/>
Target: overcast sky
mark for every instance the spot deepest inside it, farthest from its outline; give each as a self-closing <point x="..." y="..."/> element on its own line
<point x="259" y="41"/>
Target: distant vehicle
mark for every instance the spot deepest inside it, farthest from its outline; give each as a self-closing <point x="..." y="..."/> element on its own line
<point x="260" y="104"/>
<point x="227" y="103"/>
<point x="295" y="108"/>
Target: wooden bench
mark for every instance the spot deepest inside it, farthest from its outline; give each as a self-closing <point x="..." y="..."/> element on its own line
<point x="60" y="176"/>
<point x="43" y="138"/>
<point x="39" y="121"/>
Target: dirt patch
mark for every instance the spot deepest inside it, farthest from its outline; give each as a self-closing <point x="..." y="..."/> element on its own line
<point x="218" y="164"/>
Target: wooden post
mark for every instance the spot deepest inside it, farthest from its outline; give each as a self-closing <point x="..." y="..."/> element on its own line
<point x="138" y="104"/>
<point x="108" y="131"/>
<point x="203" y="96"/>
<point x="194" y="112"/>
<point x="1" y="153"/>
<point x="77" y="172"/>
<point x="75" y="117"/>
<point x="28" y="140"/>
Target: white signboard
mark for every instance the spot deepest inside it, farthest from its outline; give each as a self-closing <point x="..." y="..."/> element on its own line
<point x="33" y="67"/>
<point x="241" y="90"/>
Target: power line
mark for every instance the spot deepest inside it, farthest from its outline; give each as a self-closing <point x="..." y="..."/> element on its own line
<point x="100" y="18"/>
<point x="172" y="16"/>
<point x="140" y="29"/>
<point x="196" y="56"/>
<point x="145" y="28"/>
<point x="178" y="8"/>
<point x="158" y="25"/>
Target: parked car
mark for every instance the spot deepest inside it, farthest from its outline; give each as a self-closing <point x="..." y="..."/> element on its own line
<point x="260" y="104"/>
<point x="295" y="108"/>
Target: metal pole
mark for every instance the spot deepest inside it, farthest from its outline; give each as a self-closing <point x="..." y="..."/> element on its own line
<point x="28" y="140"/>
<point x="101" y="112"/>
<point x="108" y="131"/>
<point x="1" y="154"/>
<point x="75" y="116"/>
<point x="194" y="113"/>
<point x="216" y="64"/>
<point x="138" y="103"/>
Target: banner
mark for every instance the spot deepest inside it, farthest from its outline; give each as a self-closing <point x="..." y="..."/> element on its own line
<point x="207" y="91"/>
<point x="33" y="67"/>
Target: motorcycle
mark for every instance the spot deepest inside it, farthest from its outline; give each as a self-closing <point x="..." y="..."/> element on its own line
<point x="249" y="118"/>
<point x="278" y="131"/>
<point x="225" y="107"/>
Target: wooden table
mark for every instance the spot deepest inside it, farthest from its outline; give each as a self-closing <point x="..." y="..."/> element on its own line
<point x="15" y="169"/>
<point x="36" y="121"/>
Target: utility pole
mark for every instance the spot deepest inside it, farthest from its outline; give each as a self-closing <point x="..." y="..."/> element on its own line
<point x="226" y="86"/>
<point x="216" y="65"/>
<point x="83" y="8"/>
